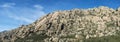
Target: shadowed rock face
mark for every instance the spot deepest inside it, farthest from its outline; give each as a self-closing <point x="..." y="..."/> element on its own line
<point x="74" y="25"/>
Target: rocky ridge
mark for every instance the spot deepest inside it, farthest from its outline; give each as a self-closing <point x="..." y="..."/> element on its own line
<point x="68" y="26"/>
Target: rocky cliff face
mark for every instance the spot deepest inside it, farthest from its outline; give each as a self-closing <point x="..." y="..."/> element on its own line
<point x="68" y="26"/>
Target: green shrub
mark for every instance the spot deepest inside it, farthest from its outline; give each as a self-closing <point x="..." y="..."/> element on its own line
<point x="69" y="36"/>
<point x="34" y="38"/>
<point x="104" y="39"/>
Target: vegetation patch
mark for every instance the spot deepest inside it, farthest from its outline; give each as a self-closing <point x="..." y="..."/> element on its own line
<point x="33" y="38"/>
<point x="69" y="36"/>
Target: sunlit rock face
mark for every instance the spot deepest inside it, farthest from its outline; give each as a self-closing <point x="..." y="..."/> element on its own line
<point x="74" y="25"/>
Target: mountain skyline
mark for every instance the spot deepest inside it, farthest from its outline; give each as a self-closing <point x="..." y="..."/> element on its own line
<point x="14" y="13"/>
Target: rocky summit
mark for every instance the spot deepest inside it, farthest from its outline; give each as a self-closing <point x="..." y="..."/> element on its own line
<point x="101" y="24"/>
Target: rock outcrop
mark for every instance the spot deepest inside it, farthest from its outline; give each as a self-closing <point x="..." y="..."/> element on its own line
<point x="68" y="26"/>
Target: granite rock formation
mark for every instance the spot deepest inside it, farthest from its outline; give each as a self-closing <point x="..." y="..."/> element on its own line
<point x="74" y="25"/>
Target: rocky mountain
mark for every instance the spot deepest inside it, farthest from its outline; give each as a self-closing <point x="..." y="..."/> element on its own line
<point x="101" y="24"/>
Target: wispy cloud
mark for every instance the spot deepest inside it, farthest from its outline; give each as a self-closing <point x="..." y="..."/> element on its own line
<point x="24" y="15"/>
<point x="7" y="5"/>
<point x="38" y="6"/>
<point x="20" y="18"/>
<point x="6" y="27"/>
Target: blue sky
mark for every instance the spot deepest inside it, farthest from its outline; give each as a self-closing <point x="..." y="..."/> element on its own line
<point x="14" y="13"/>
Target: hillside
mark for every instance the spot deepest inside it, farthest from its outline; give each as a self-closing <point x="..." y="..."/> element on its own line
<point x="100" y="24"/>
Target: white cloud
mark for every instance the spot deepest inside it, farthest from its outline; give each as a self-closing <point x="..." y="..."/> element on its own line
<point x="6" y="27"/>
<point x="26" y="14"/>
<point x="7" y="5"/>
<point x="20" y="18"/>
<point x="38" y="6"/>
<point x="21" y="15"/>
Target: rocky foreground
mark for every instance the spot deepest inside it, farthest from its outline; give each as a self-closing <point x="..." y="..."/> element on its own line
<point x="100" y="24"/>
